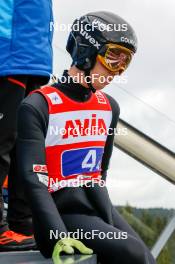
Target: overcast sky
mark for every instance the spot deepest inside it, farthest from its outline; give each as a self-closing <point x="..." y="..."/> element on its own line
<point x="147" y="99"/>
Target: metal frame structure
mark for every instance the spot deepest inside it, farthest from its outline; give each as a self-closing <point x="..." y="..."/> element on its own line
<point x="164" y="237"/>
<point x="146" y="150"/>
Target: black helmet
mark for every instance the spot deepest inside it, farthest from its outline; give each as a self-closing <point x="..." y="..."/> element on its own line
<point x="92" y="31"/>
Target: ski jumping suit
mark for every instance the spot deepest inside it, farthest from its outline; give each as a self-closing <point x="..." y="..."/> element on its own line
<point x="45" y="154"/>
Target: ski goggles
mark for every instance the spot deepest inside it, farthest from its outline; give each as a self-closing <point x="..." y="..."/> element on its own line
<point x="115" y="58"/>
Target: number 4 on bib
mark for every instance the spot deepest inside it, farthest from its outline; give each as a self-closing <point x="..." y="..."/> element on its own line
<point x="82" y="160"/>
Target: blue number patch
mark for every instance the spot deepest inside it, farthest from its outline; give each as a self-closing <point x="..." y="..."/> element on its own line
<point x="81" y="160"/>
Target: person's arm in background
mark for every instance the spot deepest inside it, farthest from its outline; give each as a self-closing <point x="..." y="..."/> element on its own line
<point x="110" y="138"/>
<point x="32" y="127"/>
<point x="99" y="195"/>
<point x="117" y="220"/>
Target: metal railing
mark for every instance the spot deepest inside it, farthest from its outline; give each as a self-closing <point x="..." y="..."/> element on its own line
<point x="147" y="151"/>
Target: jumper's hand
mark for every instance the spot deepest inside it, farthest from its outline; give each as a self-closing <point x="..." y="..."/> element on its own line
<point x="67" y="245"/>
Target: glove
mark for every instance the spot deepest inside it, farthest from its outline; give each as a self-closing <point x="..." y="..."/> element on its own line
<point x="67" y="245"/>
